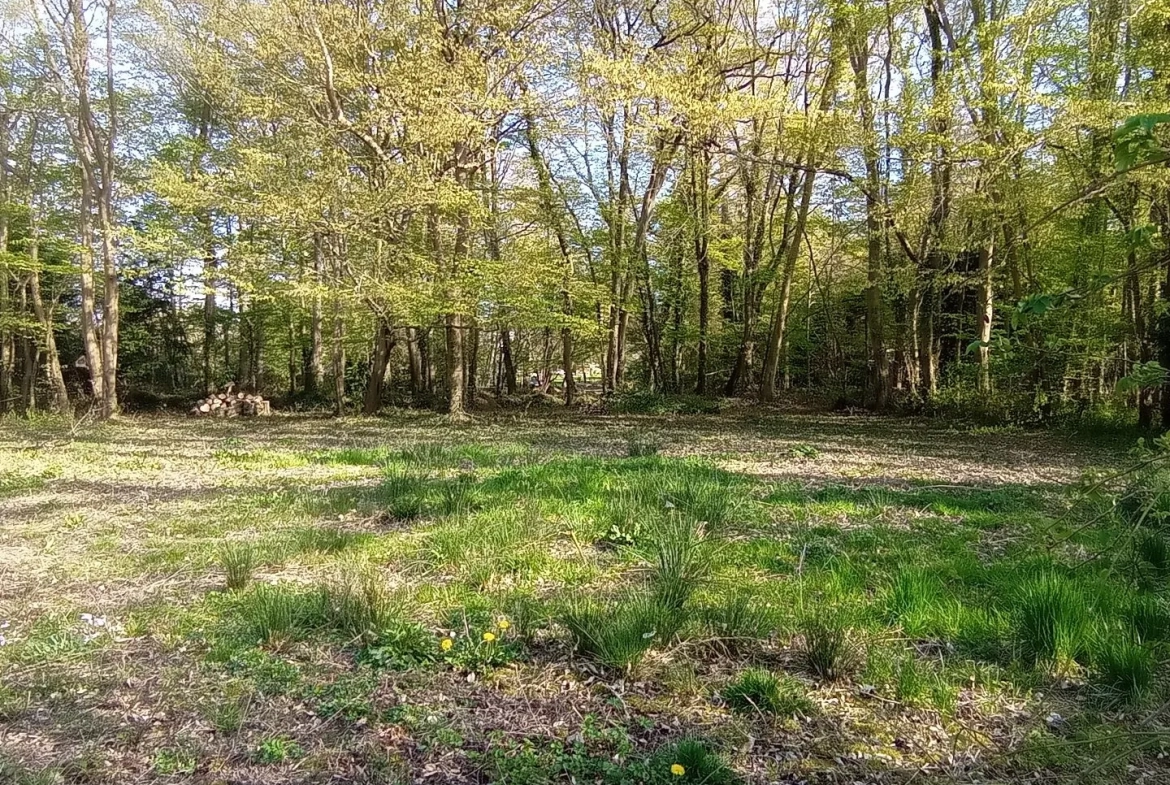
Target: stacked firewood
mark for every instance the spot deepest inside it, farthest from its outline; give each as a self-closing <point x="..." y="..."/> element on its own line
<point x="232" y="404"/>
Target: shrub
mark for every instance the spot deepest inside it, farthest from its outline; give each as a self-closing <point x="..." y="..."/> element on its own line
<point x="759" y="691"/>
<point x="1125" y="668"/>
<point x="1053" y="620"/>
<point x="238" y="562"/>
<point x="828" y="650"/>
<point x="618" y="635"/>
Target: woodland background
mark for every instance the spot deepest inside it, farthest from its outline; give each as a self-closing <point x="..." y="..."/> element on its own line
<point x="937" y="205"/>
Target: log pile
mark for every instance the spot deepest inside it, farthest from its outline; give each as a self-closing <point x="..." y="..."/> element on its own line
<point x="232" y="404"/>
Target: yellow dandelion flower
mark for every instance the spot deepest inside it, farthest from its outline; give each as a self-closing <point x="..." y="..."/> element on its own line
<point x="503" y="624"/>
<point x="446" y="644"/>
<point x="677" y="769"/>
<point x="489" y="636"/>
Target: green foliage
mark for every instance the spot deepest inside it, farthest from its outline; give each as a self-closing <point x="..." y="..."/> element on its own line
<point x="170" y="760"/>
<point x="358" y="605"/>
<point x="400" y="645"/>
<point x="739" y="621"/>
<point x="278" y="749"/>
<point x="404" y="494"/>
<point x="642" y="445"/>
<point x="699" y="762"/>
<point x="683" y="558"/>
<point x="760" y="691"/>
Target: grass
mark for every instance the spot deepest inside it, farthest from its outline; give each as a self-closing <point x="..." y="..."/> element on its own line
<point x="762" y="692"/>
<point x="904" y="568"/>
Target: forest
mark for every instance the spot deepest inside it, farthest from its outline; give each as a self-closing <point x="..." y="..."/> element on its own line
<point x="899" y="205"/>
<point x="584" y="392"/>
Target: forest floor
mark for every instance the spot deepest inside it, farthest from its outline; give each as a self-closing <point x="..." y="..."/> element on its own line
<point x="748" y="597"/>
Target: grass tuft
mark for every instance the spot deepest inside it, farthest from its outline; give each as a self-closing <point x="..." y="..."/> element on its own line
<point x="683" y="560"/>
<point x="760" y="691"/>
<point x="238" y="562"/>
<point x="618" y="635"/>
<point x="828" y="649"/>
<point x="1053" y="621"/>
<point x="1124" y="668"/>
<point x="696" y="760"/>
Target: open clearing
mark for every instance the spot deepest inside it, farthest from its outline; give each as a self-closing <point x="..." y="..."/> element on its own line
<point x="763" y="598"/>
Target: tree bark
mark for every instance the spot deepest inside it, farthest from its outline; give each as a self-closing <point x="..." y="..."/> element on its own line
<point x="379" y="362"/>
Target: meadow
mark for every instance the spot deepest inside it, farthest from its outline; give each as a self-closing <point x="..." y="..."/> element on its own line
<point x="744" y="597"/>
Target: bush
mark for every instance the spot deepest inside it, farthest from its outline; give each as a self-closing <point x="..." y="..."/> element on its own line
<point x="1053" y="620"/>
<point x="759" y="691"/>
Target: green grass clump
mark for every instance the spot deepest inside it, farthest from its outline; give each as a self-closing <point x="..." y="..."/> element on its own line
<point x="683" y="559"/>
<point x="738" y="621"/>
<point x="828" y="649"/>
<point x="912" y="598"/>
<point x="238" y="562"/>
<point x="692" y="761"/>
<point x="405" y="495"/>
<point x="1052" y="624"/>
<point x="274" y="616"/>
<point x="489" y="544"/>
<point x="760" y="691"/>
<point x="1124" y="668"/>
<point x="618" y="635"/>
<point x="1153" y="553"/>
<point x="400" y="646"/>
<point x="358" y="605"/>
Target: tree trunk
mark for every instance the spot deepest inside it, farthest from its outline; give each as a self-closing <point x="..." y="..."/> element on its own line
<point x="338" y="359"/>
<point x="414" y="362"/>
<point x="44" y="316"/>
<point x="379" y="362"/>
<point x="509" y="363"/>
<point x="454" y="328"/>
<point x="315" y="372"/>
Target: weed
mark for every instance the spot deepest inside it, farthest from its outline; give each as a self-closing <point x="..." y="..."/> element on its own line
<point x="760" y="691"/>
<point x="803" y="451"/>
<point x="278" y="749"/>
<point x="174" y="761"/>
<point x="238" y="562"/>
<point x="692" y="760"/>
<point x="828" y="650"/>
<point x="1052" y="622"/>
<point x="400" y="645"/>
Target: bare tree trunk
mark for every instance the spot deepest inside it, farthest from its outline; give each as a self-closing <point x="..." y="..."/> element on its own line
<point x="45" y="317"/>
<point x="379" y="361"/>
<point x="508" y="361"/>
<point x="315" y="373"/>
<point x="338" y="359"/>
<point x="414" y="362"/>
<point x="455" y="390"/>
